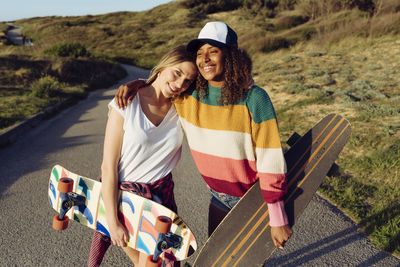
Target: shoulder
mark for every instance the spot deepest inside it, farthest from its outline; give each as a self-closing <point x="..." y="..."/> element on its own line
<point x="260" y="105"/>
<point x="113" y="106"/>
<point x="126" y="111"/>
<point x="183" y="98"/>
<point x="257" y="95"/>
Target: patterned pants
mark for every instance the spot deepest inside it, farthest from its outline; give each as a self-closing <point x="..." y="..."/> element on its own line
<point x="161" y="191"/>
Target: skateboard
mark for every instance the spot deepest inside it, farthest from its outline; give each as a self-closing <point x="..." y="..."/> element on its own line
<point x="243" y="238"/>
<point x="152" y="228"/>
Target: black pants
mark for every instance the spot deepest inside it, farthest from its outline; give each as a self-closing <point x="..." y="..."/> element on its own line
<point x="216" y="213"/>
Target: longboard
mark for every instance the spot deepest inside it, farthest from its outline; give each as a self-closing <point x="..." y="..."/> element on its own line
<point x="138" y="214"/>
<point x="243" y="238"/>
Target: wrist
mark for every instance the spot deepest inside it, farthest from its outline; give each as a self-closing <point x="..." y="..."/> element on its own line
<point x="112" y="221"/>
<point x="277" y="214"/>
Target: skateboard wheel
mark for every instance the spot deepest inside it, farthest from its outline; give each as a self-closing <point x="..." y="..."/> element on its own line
<point x="163" y="224"/>
<point x="65" y="185"/>
<point x="60" y="224"/>
<point x="151" y="263"/>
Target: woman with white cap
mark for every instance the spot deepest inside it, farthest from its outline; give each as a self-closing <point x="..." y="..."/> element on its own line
<point x="231" y="128"/>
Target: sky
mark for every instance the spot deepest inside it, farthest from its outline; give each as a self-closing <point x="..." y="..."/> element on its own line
<point x="11" y="10"/>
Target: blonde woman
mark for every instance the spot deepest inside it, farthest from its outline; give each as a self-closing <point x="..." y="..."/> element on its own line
<point x="142" y="145"/>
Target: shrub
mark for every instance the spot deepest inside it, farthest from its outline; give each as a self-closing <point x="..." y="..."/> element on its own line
<point x="361" y="90"/>
<point x="287" y="22"/>
<point x="289" y="58"/>
<point x="46" y="86"/>
<point x="255" y="42"/>
<point x="317" y="8"/>
<point x="208" y="7"/>
<point x="316" y="73"/>
<point x="316" y="54"/>
<point x="295" y="78"/>
<point x="81" y="21"/>
<point x="256" y="6"/>
<point x="295" y="88"/>
<point x="95" y="73"/>
<point x="273" y="43"/>
<point x="325" y="79"/>
<point x="260" y="4"/>
<point x="68" y="50"/>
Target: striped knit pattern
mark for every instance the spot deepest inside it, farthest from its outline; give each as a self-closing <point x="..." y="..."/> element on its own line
<point x="235" y="145"/>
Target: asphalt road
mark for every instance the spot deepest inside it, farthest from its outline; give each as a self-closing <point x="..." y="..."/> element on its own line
<point x="74" y="138"/>
<point x="14" y="34"/>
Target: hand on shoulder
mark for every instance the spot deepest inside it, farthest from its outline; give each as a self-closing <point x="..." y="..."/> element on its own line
<point x="126" y="92"/>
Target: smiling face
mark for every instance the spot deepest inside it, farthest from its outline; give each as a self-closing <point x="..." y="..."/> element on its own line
<point x="210" y="62"/>
<point x="176" y="79"/>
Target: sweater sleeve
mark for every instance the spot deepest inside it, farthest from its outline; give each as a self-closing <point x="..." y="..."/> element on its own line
<point x="277" y="214"/>
<point x="271" y="164"/>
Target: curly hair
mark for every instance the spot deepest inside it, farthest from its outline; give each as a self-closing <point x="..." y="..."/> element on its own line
<point x="237" y="76"/>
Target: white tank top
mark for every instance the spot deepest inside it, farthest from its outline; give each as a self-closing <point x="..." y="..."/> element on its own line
<point x="149" y="153"/>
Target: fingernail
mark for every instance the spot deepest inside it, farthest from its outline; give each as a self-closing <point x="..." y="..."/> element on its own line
<point x="280" y="247"/>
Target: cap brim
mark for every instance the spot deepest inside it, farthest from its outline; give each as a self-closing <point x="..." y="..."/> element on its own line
<point x="195" y="44"/>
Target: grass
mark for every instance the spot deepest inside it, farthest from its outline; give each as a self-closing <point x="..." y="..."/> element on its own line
<point x="361" y="83"/>
<point x="19" y="103"/>
<point x="3" y="32"/>
<point x="29" y="84"/>
<point x="344" y="62"/>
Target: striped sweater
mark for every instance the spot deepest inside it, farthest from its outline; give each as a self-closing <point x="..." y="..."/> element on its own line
<point x="235" y="145"/>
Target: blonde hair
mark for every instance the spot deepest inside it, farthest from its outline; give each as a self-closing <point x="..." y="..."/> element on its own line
<point x="175" y="56"/>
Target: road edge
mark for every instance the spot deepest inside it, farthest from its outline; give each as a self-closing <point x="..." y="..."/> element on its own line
<point x="11" y="134"/>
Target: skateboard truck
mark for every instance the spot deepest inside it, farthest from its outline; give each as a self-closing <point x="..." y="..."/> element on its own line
<point x="165" y="240"/>
<point x="68" y="200"/>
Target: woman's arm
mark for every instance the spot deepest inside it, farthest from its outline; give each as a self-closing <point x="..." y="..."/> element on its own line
<point x="271" y="165"/>
<point x="109" y="169"/>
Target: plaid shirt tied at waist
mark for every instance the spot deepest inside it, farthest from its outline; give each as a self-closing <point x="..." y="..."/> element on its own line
<point x="161" y="191"/>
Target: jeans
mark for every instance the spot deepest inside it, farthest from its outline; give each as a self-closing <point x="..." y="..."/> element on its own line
<point x="227" y="200"/>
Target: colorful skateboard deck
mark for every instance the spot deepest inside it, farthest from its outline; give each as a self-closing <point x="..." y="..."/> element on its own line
<point x="243" y="238"/>
<point x="138" y="214"/>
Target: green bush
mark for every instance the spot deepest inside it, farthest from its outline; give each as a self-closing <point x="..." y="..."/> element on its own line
<point x="315" y="73"/>
<point x="295" y="88"/>
<point x="73" y="50"/>
<point x="256" y="6"/>
<point x="317" y="8"/>
<point x="45" y="87"/>
<point x="85" y="71"/>
<point x="213" y="6"/>
<point x="325" y="79"/>
<point x="288" y="22"/>
<point x="295" y="78"/>
<point x="360" y="90"/>
<point x="273" y="43"/>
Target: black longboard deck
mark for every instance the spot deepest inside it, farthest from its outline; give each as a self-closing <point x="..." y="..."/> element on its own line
<point x="244" y="238"/>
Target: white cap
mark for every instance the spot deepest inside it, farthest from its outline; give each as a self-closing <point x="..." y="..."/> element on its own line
<point x="215" y="33"/>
